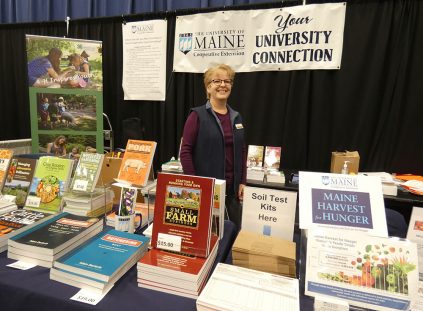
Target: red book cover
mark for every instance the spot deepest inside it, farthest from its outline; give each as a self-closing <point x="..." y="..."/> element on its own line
<point x="183" y="208"/>
<point x="186" y="267"/>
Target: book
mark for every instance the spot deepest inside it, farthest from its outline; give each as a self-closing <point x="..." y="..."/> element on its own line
<point x="5" y="157"/>
<point x="76" y="280"/>
<point x="176" y="266"/>
<point x="234" y="288"/>
<point x="218" y="221"/>
<point x="272" y="157"/>
<point x="88" y="201"/>
<point x="103" y="256"/>
<point x="175" y="273"/>
<point x="368" y="271"/>
<point x="136" y="162"/>
<point x="183" y="210"/>
<point x="55" y="234"/>
<point x="7" y="206"/>
<point x="18" y="179"/>
<point x="87" y="172"/>
<point x="16" y="221"/>
<point x="46" y="260"/>
<point x="255" y="156"/>
<point x="172" y="166"/>
<point x="50" y="181"/>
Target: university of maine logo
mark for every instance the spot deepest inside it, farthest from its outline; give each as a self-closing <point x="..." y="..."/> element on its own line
<point x="185" y="42"/>
<point x="325" y="180"/>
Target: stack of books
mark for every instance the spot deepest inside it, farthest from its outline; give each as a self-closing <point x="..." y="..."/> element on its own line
<point x="100" y="202"/>
<point x="7" y="206"/>
<point x="255" y="173"/>
<point x="234" y="288"/>
<point x="16" y="221"/>
<point x="101" y="261"/>
<point x="45" y="242"/>
<point x="175" y="273"/>
<point x="184" y="248"/>
<point x="276" y="177"/>
<point x="172" y="166"/>
<point x="264" y="253"/>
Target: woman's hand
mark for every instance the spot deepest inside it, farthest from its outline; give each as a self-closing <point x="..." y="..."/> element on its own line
<point x="241" y="192"/>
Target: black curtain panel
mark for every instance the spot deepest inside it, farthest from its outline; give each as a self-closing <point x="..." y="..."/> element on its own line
<point x="372" y="104"/>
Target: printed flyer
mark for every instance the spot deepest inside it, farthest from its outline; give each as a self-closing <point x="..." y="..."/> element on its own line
<point x="367" y="271"/>
<point x="344" y="202"/>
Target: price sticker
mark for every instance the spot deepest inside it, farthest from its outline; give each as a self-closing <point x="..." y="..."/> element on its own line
<point x="89" y="297"/>
<point x="169" y="242"/>
<point x="80" y="185"/>
<point x="21" y="265"/>
<point x="33" y="201"/>
<point x="9" y="198"/>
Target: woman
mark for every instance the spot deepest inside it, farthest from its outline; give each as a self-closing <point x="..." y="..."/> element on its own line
<point x="213" y="140"/>
<point x="43" y="71"/>
<point x="58" y="147"/>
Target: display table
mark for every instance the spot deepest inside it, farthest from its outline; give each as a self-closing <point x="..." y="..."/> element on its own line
<point x="33" y="290"/>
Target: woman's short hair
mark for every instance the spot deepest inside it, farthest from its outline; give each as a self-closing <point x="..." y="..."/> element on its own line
<point x="209" y="73"/>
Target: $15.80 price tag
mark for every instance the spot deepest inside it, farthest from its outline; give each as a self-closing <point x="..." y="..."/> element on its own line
<point x="169" y="242"/>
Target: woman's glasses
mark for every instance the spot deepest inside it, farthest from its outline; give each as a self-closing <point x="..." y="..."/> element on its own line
<point x="218" y="82"/>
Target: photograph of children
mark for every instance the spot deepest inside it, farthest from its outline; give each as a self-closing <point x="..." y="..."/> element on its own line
<point x="64" y="63"/>
<point x="66" y="112"/>
<point x="67" y="146"/>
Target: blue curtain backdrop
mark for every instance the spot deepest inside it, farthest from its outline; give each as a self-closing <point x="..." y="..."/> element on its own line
<point x="21" y="11"/>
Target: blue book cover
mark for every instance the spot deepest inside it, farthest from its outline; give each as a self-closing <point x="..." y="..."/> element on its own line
<point x="104" y="255"/>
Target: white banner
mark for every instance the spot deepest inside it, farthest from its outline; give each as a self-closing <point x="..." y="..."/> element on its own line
<point x="292" y="38"/>
<point x="144" y="60"/>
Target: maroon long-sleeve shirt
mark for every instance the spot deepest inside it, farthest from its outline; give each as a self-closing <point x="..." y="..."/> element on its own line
<point x="190" y="139"/>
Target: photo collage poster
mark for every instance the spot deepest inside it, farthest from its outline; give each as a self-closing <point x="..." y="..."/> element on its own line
<point x="65" y="81"/>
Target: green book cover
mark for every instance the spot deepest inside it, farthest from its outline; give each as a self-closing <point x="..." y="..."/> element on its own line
<point x="87" y="172"/>
<point x="19" y="177"/>
<point x="50" y="181"/>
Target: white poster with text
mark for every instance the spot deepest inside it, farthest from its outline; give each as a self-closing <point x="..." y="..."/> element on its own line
<point x="144" y="60"/>
<point x="344" y="202"/>
<point x="269" y="212"/>
<point x="290" y="38"/>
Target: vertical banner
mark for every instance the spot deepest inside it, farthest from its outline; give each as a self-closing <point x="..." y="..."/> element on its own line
<point x="291" y="38"/>
<point x="144" y="60"/>
<point x="66" y="95"/>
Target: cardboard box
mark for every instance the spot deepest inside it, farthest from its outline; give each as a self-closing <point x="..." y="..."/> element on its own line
<point x="339" y="158"/>
<point x="264" y="253"/>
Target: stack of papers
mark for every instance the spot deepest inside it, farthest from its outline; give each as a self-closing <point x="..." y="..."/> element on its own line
<point x="234" y="288"/>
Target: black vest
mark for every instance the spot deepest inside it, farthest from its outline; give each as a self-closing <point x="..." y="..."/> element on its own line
<point x="209" y="151"/>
